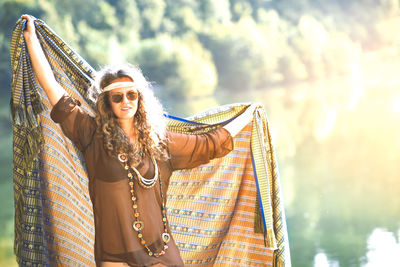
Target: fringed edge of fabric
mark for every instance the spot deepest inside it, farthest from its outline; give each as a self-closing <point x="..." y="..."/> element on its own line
<point x="27" y="120"/>
<point x="259" y="227"/>
<point x="22" y="116"/>
<point x="258" y="220"/>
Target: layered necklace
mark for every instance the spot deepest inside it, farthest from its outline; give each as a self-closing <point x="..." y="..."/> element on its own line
<point x="138" y="225"/>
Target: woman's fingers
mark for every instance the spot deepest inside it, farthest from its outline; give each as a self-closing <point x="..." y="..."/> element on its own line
<point x="27" y="17"/>
<point x="30" y="27"/>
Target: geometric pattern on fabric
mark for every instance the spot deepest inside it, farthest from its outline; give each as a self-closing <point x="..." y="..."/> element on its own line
<point x="53" y="213"/>
<point x="212" y="209"/>
<point x="212" y="218"/>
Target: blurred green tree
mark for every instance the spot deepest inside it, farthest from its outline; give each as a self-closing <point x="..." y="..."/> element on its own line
<point x="240" y="53"/>
<point x="152" y="15"/>
<point x="181" y="67"/>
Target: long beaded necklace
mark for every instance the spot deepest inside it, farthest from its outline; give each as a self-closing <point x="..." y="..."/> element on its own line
<point x="138" y="225"/>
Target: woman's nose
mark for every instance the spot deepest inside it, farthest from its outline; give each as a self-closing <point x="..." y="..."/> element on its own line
<point x="125" y="98"/>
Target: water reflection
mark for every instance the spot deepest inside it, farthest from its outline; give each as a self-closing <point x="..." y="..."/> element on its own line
<point x="383" y="249"/>
<point x="321" y="260"/>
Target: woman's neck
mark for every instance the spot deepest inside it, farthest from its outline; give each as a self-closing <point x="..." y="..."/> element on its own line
<point x="128" y="128"/>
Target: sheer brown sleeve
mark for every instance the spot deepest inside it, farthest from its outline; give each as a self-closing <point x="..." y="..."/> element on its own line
<point x="189" y="151"/>
<point x="76" y="124"/>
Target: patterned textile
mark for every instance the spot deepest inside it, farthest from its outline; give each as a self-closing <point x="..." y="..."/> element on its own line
<point x="225" y="213"/>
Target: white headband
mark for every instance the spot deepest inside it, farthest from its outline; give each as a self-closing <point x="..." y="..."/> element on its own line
<point x="118" y="85"/>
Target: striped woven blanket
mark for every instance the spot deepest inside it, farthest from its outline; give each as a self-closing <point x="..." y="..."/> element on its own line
<point x="225" y="213"/>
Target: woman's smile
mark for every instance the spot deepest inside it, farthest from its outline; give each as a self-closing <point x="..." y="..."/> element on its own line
<point x="126" y="108"/>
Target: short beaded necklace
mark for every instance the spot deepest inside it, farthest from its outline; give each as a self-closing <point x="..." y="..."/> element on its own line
<point x="138" y="225"/>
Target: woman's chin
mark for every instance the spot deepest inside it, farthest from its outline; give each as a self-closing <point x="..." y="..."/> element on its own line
<point x="126" y="116"/>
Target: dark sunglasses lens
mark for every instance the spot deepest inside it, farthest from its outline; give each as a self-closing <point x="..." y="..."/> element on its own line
<point x="116" y="98"/>
<point x="132" y="95"/>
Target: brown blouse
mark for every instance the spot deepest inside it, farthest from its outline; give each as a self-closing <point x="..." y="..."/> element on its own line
<point x="115" y="238"/>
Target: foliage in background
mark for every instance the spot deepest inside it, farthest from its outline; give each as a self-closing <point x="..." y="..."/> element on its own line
<point x="227" y="44"/>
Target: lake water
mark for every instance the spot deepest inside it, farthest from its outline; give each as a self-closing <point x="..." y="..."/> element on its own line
<point x="383" y="250"/>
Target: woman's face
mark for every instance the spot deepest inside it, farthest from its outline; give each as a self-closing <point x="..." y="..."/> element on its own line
<point x="125" y="109"/>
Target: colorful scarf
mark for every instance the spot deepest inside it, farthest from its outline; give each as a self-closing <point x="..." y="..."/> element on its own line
<point x="225" y="213"/>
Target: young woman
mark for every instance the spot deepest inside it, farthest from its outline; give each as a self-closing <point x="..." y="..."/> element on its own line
<point x="129" y="157"/>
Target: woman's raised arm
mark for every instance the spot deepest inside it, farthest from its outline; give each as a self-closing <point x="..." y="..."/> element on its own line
<point x="41" y="66"/>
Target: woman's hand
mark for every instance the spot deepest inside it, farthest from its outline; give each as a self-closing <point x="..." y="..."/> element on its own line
<point x="235" y="126"/>
<point x="29" y="31"/>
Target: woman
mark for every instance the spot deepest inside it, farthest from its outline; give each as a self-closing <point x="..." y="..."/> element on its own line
<point x="129" y="157"/>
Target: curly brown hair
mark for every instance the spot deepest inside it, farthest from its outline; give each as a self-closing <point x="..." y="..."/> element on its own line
<point x="149" y="122"/>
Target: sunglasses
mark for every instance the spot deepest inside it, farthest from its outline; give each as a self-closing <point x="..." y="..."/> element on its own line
<point x="131" y="96"/>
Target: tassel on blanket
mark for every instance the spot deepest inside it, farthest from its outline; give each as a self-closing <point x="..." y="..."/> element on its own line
<point x="259" y="228"/>
<point x="26" y="121"/>
<point x="258" y="220"/>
